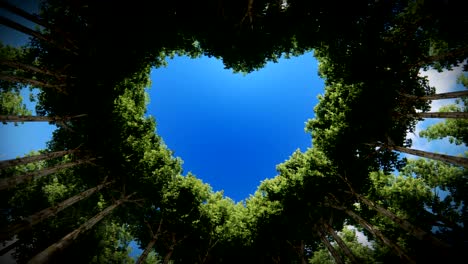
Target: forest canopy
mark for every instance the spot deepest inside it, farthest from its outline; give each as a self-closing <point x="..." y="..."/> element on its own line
<point x="106" y="177"/>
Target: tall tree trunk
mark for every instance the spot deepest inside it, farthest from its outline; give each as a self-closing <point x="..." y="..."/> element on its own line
<point x="63" y="243"/>
<point x="25" y="160"/>
<point x="17" y="118"/>
<point x="439" y="96"/>
<point x="16" y="26"/>
<point x="340" y="242"/>
<point x="33" y="18"/>
<point x="299" y="250"/>
<point x="276" y="259"/>
<point x="330" y="248"/>
<point x="375" y="232"/>
<point x="459" y="161"/>
<point x="168" y="256"/>
<point x="12" y="24"/>
<point x="150" y="245"/>
<point x="31" y="220"/>
<point x="211" y="245"/>
<point x="302" y="250"/>
<point x="20" y="12"/>
<point x="10" y="247"/>
<point x="169" y="253"/>
<point x="434" y="58"/>
<point x="12" y="181"/>
<point x="404" y="224"/>
<point x="26" y="67"/>
<point x="35" y="83"/>
<point x="456" y="115"/>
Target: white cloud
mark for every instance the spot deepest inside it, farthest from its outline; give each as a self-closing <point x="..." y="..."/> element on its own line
<point x="444" y="82"/>
<point x="360" y="236"/>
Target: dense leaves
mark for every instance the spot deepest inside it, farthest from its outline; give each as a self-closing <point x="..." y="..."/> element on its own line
<point x="92" y="59"/>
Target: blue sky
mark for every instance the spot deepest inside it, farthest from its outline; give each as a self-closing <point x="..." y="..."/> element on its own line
<point x="231" y="130"/>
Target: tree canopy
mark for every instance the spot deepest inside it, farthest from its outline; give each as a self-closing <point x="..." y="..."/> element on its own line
<point x="108" y="170"/>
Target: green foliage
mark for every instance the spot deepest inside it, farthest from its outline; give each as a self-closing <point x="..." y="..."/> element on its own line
<point x="153" y="258"/>
<point x="362" y="252"/>
<point x="114" y="243"/>
<point x="55" y="191"/>
<point x="11" y="103"/>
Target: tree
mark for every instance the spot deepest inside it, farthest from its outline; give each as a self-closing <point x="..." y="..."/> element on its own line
<point x="10" y="93"/>
<point x="455" y="129"/>
<point x="45" y="255"/>
<point x="403" y="223"/>
<point x="347" y="252"/>
<point x="376" y="233"/>
<point x="31" y="68"/>
<point x="459" y="161"/>
<point x="348" y="235"/>
<point x="151" y="244"/>
<point x="439" y="96"/>
<point x="9" y="118"/>
<point x="17" y="26"/>
<point x="370" y="63"/>
<point x="458" y="115"/>
<point x="31" y="17"/>
<point x="114" y="239"/>
<point x="12" y="104"/>
<point x="11" y="182"/>
<point x="30" y="221"/>
<point x="44" y="156"/>
<point x="446" y="200"/>
<point x="330" y="248"/>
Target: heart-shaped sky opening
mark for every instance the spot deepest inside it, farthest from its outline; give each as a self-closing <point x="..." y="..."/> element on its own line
<point x="232" y="129"/>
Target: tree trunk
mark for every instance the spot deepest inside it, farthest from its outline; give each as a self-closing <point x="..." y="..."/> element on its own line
<point x="330" y="248"/>
<point x="26" y="67"/>
<point x="148" y="249"/>
<point x="375" y="232"/>
<point x="434" y="58"/>
<point x="211" y="245"/>
<point x="17" y="118"/>
<point x="25" y="160"/>
<point x="16" y="26"/>
<point x="20" y="12"/>
<point x="404" y="224"/>
<point x="276" y="259"/>
<point x="341" y="243"/>
<point x="12" y="24"/>
<point x="456" y="115"/>
<point x="46" y="254"/>
<point x="9" y="248"/>
<point x="168" y="256"/>
<point x="302" y="251"/>
<point x="299" y="250"/>
<point x="33" y="18"/>
<point x="12" y="181"/>
<point x="31" y="220"/>
<point x="439" y="96"/>
<point x="150" y="245"/>
<point x="459" y="161"/>
<point x="35" y="83"/>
